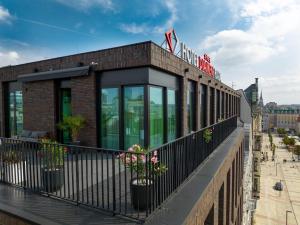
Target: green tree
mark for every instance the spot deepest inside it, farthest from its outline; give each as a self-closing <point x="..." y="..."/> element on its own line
<point x="281" y="131"/>
<point x="297" y="151"/>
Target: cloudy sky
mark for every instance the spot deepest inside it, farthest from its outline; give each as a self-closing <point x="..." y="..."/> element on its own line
<point x="245" y="39"/>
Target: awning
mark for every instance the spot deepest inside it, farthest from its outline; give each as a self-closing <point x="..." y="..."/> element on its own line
<point x="55" y="74"/>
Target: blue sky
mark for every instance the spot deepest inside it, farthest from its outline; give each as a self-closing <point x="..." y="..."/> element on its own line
<point x="239" y="35"/>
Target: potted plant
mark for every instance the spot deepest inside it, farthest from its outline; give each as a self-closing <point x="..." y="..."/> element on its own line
<point x="147" y="167"/>
<point x="52" y="157"/>
<point x="12" y="161"/>
<point x="207" y="135"/>
<point x="73" y="124"/>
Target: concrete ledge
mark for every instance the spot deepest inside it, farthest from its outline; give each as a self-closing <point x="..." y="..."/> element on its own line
<point x="178" y="208"/>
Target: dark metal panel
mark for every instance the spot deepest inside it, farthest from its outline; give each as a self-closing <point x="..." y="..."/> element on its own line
<point x="160" y="78"/>
<point x="125" y="77"/>
<point x="135" y="76"/>
<point x="55" y="74"/>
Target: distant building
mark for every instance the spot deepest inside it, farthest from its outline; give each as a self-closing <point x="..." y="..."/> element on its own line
<point x="281" y="118"/>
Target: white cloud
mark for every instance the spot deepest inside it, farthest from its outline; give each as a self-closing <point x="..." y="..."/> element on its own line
<point x="4" y="14"/>
<point x="9" y="58"/>
<point x="84" y="5"/>
<point x="144" y="28"/>
<point x="268" y="48"/>
<point x="133" y="28"/>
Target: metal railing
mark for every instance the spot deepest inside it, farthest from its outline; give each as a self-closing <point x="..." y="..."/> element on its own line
<point x="101" y="178"/>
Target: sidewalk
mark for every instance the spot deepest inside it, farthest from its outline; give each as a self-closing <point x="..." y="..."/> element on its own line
<point x="273" y="205"/>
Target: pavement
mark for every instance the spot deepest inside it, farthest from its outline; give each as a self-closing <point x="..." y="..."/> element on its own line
<point x="278" y="207"/>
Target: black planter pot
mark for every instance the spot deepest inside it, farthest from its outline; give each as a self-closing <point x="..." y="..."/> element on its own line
<point x="139" y="190"/>
<point x="52" y="179"/>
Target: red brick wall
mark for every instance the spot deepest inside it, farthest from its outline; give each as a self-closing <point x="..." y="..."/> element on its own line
<point x="84" y="103"/>
<point x="39" y="106"/>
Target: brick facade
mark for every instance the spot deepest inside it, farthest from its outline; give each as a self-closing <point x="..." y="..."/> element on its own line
<point x="210" y="197"/>
<point x="7" y="219"/>
<point x="40" y="97"/>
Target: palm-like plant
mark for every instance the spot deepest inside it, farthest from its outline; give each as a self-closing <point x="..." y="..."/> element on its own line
<point x="73" y="124"/>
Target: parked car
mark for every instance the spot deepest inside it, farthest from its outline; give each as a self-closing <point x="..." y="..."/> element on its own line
<point x="278" y="186"/>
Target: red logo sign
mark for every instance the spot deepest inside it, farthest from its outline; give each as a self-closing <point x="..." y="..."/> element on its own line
<point x="170" y="36"/>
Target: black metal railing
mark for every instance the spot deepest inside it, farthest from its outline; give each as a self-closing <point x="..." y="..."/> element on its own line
<point x="108" y="179"/>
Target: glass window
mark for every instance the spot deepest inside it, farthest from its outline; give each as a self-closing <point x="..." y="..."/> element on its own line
<point x="203" y="106"/>
<point x="15" y="109"/>
<point x="156" y="117"/>
<point x="110" y="118"/>
<point x="191" y="106"/>
<point x="66" y="110"/>
<point x="171" y="98"/>
<point x="133" y="116"/>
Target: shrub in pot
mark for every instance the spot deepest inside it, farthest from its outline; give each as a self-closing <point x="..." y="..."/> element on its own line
<point x="52" y="157"/>
<point x="146" y="166"/>
<point x="73" y="124"/>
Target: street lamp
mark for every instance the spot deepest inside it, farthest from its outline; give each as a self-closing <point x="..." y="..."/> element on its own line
<point x="286" y="216"/>
<point x="276" y="168"/>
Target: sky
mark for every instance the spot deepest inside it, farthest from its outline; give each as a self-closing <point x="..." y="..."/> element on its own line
<point x="244" y="38"/>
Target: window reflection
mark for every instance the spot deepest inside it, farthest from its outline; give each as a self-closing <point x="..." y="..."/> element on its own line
<point x="110" y="118"/>
<point x="133" y="116"/>
<point x="156" y="117"/>
<point x="171" y="98"/>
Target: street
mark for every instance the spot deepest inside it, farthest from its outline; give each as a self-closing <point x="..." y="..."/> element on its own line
<point x="274" y="206"/>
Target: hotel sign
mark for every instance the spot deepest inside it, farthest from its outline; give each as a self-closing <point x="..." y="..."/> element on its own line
<point x="189" y="55"/>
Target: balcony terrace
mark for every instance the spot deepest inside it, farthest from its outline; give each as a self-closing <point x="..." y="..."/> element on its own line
<point x="97" y="178"/>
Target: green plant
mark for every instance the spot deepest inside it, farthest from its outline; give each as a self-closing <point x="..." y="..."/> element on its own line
<point x="207" y="135"/>
<point x="73" y="124"/>
<point x="281" y="131"/>
<point x="140" y="161"/>
<point x="288" y="141"/>
<point x="297" y="151"/>
<point x="11" y="157"/>
<point x="52" y="154"/>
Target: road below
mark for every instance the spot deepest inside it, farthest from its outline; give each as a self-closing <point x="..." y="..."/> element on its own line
<point x="273" y="206"/>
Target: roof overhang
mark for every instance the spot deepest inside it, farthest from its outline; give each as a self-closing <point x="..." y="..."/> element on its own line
<point x="55" y="74"/>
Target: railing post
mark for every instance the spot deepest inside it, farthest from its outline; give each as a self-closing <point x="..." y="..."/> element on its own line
<point x="114" y="182"/>
<point x="77" y="175"/>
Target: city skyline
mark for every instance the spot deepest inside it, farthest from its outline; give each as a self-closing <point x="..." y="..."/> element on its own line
<point x="239" y="36"/>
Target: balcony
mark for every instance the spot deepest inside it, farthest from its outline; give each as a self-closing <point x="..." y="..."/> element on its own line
<point x="100" y="179"/>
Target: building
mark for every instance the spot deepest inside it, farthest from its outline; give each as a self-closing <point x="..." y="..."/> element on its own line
<point x="246" y="120"/>
<point x="139" y="93"/>
<point x="281" y="118"/>
<point x="257" y="123"/>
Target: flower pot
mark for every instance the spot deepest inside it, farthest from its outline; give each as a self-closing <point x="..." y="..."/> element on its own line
<point x="139" y="191"/>
<point x="52" y="179"/>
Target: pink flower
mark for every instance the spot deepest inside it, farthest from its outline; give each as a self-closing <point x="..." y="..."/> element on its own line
<point x="143" y="158"/>
<point x="133" y="158"/>
<point x="130" y="149"/>
<point x="154" y="160"/>
<point x="155" y="153"/>
<point x="121" y="156"/>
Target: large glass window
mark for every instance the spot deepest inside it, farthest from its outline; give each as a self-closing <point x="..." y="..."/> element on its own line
<point x="191" y="106"/>
<point x="212" y="105"/>
<point x="65" y="110"/>
<point x="203" y="105"/>
<point x="110" y="118"/>
<point x="156" y="117"/>
<point x="15" y="109"/>
<point x="133" y="116"/>
<point x="171" y="101"/>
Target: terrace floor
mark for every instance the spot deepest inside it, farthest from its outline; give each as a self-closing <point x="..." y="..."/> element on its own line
<point x="44" y="210"/>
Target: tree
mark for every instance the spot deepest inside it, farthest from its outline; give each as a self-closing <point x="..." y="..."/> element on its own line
<point x="297" y="151"/>
<point x="286" y="140"/>
<point x="281" y="131"/>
